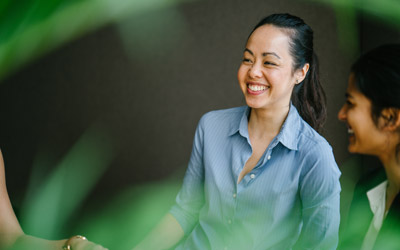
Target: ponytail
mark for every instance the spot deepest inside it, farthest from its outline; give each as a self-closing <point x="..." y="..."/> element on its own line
<point x="309" y="97"/>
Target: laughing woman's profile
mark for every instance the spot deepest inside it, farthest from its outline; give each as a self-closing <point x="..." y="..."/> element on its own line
<point x="372" y="114"/>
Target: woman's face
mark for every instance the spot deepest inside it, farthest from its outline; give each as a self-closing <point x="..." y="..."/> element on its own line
<point x="364" y="136"/>
<point x="265" y="75"/>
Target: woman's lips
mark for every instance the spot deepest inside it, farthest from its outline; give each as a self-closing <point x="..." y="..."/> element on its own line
<point x="256" y="89"/>
<point x="350" y="131"/>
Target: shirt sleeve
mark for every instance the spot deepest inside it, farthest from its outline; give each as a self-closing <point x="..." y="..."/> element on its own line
<point x="320" y="197"/>
<point x="190" y="198"/>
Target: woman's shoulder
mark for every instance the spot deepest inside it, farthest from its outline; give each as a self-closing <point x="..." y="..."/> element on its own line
<point x="310" y="140"/>
<point x="223" y="115"/>
<point x="316" y="153"/>
<point x="227" y="112"/>
<point x="306" y="134"/>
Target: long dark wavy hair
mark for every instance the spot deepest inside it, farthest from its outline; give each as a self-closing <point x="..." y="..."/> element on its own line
<point x="308" y="96"/>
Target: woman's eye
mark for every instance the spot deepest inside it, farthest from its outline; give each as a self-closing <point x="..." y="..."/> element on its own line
<point x="246" y="60"/>
<point x="269" y="63"/>
<point x="349" y="103"/>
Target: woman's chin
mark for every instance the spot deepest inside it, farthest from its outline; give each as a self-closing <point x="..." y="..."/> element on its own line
<point x="254" y="104"/>
<point x="353" y="149"/>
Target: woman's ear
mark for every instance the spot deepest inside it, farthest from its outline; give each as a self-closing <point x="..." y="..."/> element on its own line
<point x="391" y="119"/>
<point x="301" y="73"/>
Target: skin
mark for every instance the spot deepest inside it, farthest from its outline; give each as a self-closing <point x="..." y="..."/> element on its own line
<point x="12" y="236"/>
<point x="267" y="78"/>
<point x="378" y="138"/>
<point x="10" y="229"/>
<point x="366" y="138"/>
<point x="164" y="236"/>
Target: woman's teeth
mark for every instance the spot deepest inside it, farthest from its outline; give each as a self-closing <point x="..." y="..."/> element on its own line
<point x="257" y="87"/>
<point x="350" y="131"/>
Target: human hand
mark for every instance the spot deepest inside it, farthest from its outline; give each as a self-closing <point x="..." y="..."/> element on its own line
<point x="81" y="243"/>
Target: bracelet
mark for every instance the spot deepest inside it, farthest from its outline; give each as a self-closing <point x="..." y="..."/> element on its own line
<point x="67" y="245"/>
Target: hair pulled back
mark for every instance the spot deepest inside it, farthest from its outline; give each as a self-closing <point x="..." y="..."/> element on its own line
<point x="377" y="76"/>
<point x="308" y="96"/>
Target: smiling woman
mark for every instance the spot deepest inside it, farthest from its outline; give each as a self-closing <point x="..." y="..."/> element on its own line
<point x="260" y="176"/>
<point x="372" y="114"/>
<point x="265" y="76"/>
<point x="364" y="136"/>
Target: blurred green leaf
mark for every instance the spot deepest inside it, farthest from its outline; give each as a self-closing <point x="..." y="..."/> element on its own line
<point x="30" y="28"/>
<point x="50" y="203"/>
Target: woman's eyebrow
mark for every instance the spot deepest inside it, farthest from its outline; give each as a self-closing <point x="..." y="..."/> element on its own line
<point x="263" y="54"/>
<point x="270" y="53"/>
<point x="247" y="50"/>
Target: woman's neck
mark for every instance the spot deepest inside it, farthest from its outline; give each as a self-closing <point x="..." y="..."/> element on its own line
<point x="392" y="169"/>
<point x="390" y="159"/>
<point x="267" y="122"/>
<point x="391" y="163"/>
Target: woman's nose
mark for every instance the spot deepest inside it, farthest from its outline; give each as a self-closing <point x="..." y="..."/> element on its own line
<point x="342" y="113"/>
<point x="255" y="71"/>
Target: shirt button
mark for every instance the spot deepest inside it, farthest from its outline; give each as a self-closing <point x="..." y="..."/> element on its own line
<point x="252" y="176"/>
<point x="229" y="222"/>
<point x="234" y="195"/>
<point x="269" y="157"/>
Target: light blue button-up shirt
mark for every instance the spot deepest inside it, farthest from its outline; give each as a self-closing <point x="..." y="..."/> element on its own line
<point x="289" y="200"/>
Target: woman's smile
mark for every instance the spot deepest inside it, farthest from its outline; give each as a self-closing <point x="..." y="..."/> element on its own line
<point x="364" y="136"/>
<point x="266" y="75"/>
<point x="256" y="88"/>
<point x="350" y="132"/>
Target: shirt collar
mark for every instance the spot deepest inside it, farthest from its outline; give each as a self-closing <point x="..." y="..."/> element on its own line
<point x="242" y="125"/>
<point x="288" y="134"/>
<point x="377" y="201"/>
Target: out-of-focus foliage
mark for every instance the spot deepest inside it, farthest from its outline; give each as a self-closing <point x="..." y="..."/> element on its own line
<point x="51" y="200"/>
<point x="385" y="11"/>
<point x="29" y="28"/>
<point x="127" y="218"/>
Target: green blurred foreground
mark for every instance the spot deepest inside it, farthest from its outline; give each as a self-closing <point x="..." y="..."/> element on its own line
<point x="348" y="11"/>
<point x="30" y="28"/>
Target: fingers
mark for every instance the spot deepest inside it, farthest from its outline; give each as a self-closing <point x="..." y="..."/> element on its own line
<point x="80" y="244"/>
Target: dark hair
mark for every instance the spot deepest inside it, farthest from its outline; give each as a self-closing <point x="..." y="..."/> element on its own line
<point x="377" y="76"/>
<point x="308" y="96"/>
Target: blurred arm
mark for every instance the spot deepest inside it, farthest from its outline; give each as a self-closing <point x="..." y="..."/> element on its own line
<point x="11" y="234"/>
<point x="10" y="229"/>
<point x="165" y="235"/>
